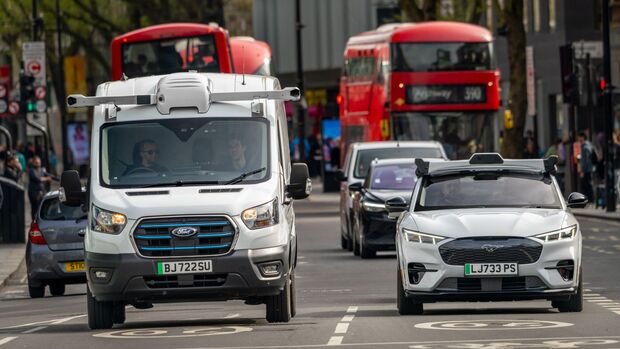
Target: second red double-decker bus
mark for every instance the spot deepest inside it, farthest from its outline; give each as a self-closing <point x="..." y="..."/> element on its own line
<point x="426" y="81"/>
<point x="169" y="48"/>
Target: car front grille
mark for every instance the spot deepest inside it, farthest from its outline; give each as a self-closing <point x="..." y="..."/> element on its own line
<point x="215" y="236"/>
<point x="191" y="280"/>
<point x="492" y="284"/>
<point x="490" y="250"/>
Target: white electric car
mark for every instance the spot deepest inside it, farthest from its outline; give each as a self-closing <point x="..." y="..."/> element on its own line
<point x="487" y="229"/>
<point x="189" y="195"/>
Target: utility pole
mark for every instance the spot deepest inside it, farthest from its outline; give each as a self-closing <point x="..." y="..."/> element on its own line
<point x="301" y="109"/>
<point x="61" y="89"/>
<point x="609" y="121"/>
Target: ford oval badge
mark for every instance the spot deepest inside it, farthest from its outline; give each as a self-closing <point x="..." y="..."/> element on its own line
<point x="184" y="232"/>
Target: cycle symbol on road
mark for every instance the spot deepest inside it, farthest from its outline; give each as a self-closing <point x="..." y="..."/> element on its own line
<point x="160" y="333"/>
<point x="491" y="325"/>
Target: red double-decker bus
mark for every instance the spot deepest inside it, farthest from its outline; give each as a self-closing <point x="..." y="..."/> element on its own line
<point x="169" y="48"/>
<point x="425" y="81"/>
<point x="250" y="56"/>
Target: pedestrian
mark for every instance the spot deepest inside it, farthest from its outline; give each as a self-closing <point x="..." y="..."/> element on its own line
<point x="586" y="166"/>
<point x="530" y="151"/>
<point x="37" y="178"/>
<point x="558" y="149"/>
<point x="12" y="168"/>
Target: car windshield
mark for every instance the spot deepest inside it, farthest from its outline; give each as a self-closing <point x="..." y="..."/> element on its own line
<point x="53" y="210"/>
<point x="169" y="56"/>
<point x="487" y="190"/>
<point x="393" y="177"/>
<point x="365" y="156"/>
<point x="445" y="56"/>
<point x="184" y="152"/>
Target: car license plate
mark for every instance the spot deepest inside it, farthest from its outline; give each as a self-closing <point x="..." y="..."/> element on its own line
<point x="187" y="267"/>
<point x="475" y="269"/>
<point x="74" y="266"/>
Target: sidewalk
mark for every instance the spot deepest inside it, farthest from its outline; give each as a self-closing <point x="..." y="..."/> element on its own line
<point x="12" y="255"/>
<point x="597" y="213"/>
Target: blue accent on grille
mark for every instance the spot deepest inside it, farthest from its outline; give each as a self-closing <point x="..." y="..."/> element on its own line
<point x="153" y="237"/>
<point x="174" y="225"/>
<point x="179" y="248"/>
<point x="200" y="236"/>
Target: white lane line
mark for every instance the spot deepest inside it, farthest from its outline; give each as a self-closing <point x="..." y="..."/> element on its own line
<point x="23" y="279"/>
<point x="604" y="300"/>
<point x="352" y="309"/>
<point x="591" y="294"/>
<point x="13" y="292"/>
<point x="617" y="312"/>
<point x="60" y="321"/>
<point x="33" y="330"/>
<point x="6" y="340"/>
<point x="335" y="340"/>
<point x="613" y="309"/>
<point x="347" y="318"/>
<point x="49" y="322"/>
<point x="342" y="328"/>
<point x="610" y="305"/>
<point x="231" y="316"/>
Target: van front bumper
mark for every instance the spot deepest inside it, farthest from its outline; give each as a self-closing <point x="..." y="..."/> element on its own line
<point x="131" y="278"/>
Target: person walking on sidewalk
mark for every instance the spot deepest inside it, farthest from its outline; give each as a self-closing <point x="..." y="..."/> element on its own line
<point x="12" y="168"/>
<point x="586" y="165"/>
<point x="37" y="178"/>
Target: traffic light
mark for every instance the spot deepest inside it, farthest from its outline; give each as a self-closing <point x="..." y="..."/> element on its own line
<point x="570" y="82"/>
<point x="26" y="93"/>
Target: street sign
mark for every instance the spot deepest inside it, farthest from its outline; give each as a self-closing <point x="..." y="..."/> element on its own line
<point x="3" y="91"/>
<point x="75" y="78"/>
<point x="40" y="92"/>
<point x="594" y="48"/>
<point x="530" y="75"/>
<point x="13" y="108"/>
<point x="41" y="106"/>
<point x="33" y="55"/>
<point x="3" y="106"/>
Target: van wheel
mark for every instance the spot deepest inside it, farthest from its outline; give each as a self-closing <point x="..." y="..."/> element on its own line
<point x="574" y="304"/>
<point x="119" y="313"/>
<point x="100" y="314"/>
<point x="406" y="305"/>
<point x="293" y="297"/>
<point x="35" y="290"/>
<point x="279" y="306"/>
<point x="57" y="289"/>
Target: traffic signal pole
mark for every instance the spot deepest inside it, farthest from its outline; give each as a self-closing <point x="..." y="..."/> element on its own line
<point x="608" y="115"/>
<point x="301" y="110"/>
<point x="61" y="91"/>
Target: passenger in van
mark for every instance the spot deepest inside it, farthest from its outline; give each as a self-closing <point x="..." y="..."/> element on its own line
<point x="145" y="154"/>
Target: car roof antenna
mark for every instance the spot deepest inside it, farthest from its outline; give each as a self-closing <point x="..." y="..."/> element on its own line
<point x="243" y="65"/>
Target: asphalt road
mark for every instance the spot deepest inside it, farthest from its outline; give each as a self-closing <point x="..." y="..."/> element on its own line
<point x="341" y="300"/>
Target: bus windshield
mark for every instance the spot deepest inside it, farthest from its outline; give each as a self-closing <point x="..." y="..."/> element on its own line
<point x="446" y="56"/>
<point x="170" y="56"/>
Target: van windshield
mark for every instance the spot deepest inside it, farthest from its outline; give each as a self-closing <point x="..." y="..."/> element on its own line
<point x="175" y="152"/>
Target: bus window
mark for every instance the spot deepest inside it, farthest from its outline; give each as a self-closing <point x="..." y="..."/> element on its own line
<point x="360" y="67"/>
<point x="428" y="57"/>
<point x="169" y="56"/>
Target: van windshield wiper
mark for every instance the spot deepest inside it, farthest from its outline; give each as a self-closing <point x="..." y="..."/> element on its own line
<point x="178" y="183"/>
<point x="244" y="175"/>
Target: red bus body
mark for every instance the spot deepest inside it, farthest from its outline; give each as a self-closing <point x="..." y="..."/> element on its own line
<point x="171" y="31"/>
<point x="414" y="82"/>
<point x="250" y="56"/>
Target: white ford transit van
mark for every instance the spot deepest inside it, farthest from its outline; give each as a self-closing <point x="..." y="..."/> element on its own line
<point x="190" y="194"/>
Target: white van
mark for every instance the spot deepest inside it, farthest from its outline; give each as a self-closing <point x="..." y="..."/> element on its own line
<point x="189" y="195"/>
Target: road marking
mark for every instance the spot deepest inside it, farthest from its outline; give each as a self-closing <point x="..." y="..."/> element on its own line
<point x="51" y="322"/>
<point x="231" y="316"/>
<point x="591" y="295"/>
<point x="491" y="325"/>
<point x="33" y="330"/>
<point x="165" y="333"/>
<point x="335" y="340"/>
<point x="599" y="300"/>
<point x="342" y="328"/>
<point x="23" y="279"/>
<point x="6" y="340"/>
<point x="13" y="292"/>
<point x="352" y="309"/>
<point x="610" y="305"/>
<point x="347" y="318"/>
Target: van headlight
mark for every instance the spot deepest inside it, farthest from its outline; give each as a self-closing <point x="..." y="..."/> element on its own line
<point x="104" y="221"/>
<point x="371" y="206"/>
<point x="261" y="216"/>
<point x="558" y="235"/>
<point x="422" y="238"/>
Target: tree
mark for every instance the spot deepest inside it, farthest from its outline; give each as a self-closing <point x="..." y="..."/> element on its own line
<point x="419" y="10"/>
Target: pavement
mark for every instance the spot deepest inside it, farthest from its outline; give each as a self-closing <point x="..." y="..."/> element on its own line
<point x="12" y="254"/>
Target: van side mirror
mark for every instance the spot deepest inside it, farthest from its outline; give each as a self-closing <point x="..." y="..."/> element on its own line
<point x="300" y="185"/>
<point x="71" y="189"/>
<point x="577" y="200"/>
<point x="395" y="206"/>
<point x="355" y="187"/>
<point x="341" y="176"/>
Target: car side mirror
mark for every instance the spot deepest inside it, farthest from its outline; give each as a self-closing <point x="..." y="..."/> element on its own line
<point x="300" y="185"/>
<point x="341" y="176"/>
<point x="71" y="193"/>
<point x="577" y="200"/>
<point x="355" y="187"/>
<point x="395" y="206"/>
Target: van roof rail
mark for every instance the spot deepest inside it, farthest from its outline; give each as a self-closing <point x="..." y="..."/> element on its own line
<point x="486" y="161"/>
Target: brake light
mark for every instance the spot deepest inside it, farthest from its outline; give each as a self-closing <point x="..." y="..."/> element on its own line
<point x="35" y="235"/>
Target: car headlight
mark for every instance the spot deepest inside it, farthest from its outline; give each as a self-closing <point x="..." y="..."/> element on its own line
<point x="558" y="235"/>
<point x="373" y="206"/>
<point x="422" y="238"/>
<point x="261" y="216"/>
<point x="104" y="221"/>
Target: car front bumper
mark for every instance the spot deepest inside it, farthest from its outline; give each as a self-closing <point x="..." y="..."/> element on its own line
<point x="45" y="265"/>
<point x="234" y="276"/>
<point x="378" y="231"/>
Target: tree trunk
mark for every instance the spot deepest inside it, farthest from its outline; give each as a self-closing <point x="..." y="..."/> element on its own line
<point x="515" y="34"/>
<point x="414" y="13"/>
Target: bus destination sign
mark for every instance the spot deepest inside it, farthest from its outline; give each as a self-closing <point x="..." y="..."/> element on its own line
<point x="446" y="94"/>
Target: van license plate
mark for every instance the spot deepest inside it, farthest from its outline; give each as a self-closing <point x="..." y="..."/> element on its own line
<point x="74" y="266"/>
<point x="188" y="267"/>
<point x="499" y="269"/>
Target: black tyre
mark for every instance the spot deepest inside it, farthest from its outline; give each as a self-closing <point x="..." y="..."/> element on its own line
<point x="344" y="244"/>
<point x="35" y="290"/>
<point x="406" y="305"/>
<point x="100" y="314"/>
<point x="367" y="252"/>
<point x="350" y="235"/>
<point x="293" y="296"/>
<point x="57" y="289"/>
<point x="119" y="313"/>
<point x="279" y="306"/>
<point x="574" y="304"/>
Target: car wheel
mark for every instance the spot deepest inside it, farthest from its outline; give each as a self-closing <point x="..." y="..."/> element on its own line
<point x="406" y="305"/>
<point x="119" y="313"/>
<point x="100" y="314"/>
<point x="366" y="252"/>
<point x="356" y="245"/>
<point x="350" y="235"/>
<point x="35" y="290"/>
<point x="574" y="304"/>
<point x="344" y="244"/>
<point x="293" y="297"/>
<point x="279" y="306"/>
<point x="57" y="289"/>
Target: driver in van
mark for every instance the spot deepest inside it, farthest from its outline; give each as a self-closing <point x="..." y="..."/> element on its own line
<point x="145" y="154"/>
<point x="236" y="152"/>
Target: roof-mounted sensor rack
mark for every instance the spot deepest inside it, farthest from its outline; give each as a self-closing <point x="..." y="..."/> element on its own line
<point x="486" y="161"/>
